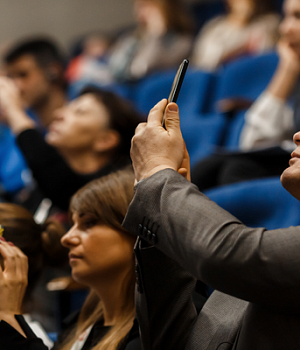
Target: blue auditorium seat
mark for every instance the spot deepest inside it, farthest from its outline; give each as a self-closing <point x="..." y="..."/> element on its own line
<point x="258" y="203"/>
<point x="194" y="96"/>
<point x="247" y="77"/>
<point x="202" y="133"/>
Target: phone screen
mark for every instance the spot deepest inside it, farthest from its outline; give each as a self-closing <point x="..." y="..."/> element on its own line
<point x="175" y="89"/>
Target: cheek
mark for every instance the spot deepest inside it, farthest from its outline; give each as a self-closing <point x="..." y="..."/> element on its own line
<point x="290" y="180"/>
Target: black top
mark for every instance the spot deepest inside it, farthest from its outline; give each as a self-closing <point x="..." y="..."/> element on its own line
<point x="10" y="338"/>
<point x="54" y="176"/>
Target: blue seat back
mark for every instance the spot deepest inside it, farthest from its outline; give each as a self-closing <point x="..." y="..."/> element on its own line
<point x="194" y="96"/>
<point x="247" y="77"/>
<point x="202" y="133"/>
<point x="259" y="203"/>
<point x="13" y="168"/>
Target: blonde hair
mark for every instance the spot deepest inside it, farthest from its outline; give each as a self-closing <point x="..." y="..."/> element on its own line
<point x="107" y="200"/>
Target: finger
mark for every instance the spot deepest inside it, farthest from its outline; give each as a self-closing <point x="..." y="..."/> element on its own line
<point x="140" y="127"/>
<point x="172" y="118"/>
<point x="183" y="172"/>
<point x="156" y="114"/>
<point x="185" y="165"/>
<point x="10" y="256"/>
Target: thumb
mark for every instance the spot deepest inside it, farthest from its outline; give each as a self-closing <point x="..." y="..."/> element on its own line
<point x="172" y="121"/>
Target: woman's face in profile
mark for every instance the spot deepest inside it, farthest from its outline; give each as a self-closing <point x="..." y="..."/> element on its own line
<point x="97" y="251"/>
<point x="78" y="125"/>
<point x="290" y="26"/>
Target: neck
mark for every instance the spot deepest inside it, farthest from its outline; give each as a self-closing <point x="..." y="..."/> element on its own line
<point x="113" y="297"/>
<point x="85" y="162"/>
<point x="56" y="99"/>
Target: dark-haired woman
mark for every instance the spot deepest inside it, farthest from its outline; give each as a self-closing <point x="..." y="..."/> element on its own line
<point x="102" y="258"/>
<point x="88" y="138"/>
<point x="249" y="27"/>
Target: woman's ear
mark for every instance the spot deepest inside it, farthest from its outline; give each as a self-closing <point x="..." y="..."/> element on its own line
<point x="107" y="141"/>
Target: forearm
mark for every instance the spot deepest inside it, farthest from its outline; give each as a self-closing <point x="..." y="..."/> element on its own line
<point x="284" y="80"/>
<point x="18" y="120"/>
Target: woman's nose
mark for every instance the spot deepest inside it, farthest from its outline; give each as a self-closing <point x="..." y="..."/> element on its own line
<point x="71" y="238"/>
<point x="296" y="138"/>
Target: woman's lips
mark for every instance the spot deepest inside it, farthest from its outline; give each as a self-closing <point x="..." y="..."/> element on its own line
<point x="74" y="257"/>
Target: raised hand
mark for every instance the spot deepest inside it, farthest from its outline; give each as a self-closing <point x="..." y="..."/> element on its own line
<point x="154" y="148"/>
<point x="13" y="283"/>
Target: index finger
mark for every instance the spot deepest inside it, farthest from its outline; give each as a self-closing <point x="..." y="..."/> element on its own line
<point x="156" y="114"/>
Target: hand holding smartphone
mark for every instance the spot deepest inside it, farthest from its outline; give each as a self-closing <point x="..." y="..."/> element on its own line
<point x="176" y="86"/>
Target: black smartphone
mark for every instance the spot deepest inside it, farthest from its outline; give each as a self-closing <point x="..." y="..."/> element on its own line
<point x="175" y="89"/>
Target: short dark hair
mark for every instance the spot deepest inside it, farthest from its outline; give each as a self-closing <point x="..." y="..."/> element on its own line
<point x="44" y="50"/>
<point x="123" y="117"/>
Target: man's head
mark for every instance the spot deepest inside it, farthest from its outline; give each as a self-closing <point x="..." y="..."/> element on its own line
<point x="290" y="178"/>
<point x="36" y="66"/>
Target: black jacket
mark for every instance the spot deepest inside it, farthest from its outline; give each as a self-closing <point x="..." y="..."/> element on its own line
<point x="10" y="338"/>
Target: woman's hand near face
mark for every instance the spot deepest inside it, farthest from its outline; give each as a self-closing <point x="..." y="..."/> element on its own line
<point x="287" y="72"/>
<point x="13" y="283"/>
<point x="288" y="57"/>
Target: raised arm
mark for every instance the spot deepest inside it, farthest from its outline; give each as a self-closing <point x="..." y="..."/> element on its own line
<point x="207" y="241"/>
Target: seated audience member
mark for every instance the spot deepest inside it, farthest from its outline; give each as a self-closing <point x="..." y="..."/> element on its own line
<point x="88" y="138"/>
<point x="90" y="65"/>
<point x="255" y="268"/>
<point x="161" y="40"/>
<point x="41" y="245"/>
<point x="249" y="27"/>
<point x="36" y="65"/>
<point x="265" y="141"/>
<point x="102" y="258"/>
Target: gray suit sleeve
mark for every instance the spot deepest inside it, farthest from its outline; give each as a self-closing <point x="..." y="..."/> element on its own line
<point x="253" y="264"/>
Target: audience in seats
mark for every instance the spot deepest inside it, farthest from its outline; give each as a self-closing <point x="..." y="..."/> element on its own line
<point x="265" y="141"/>
<point x="88" y="138"/>
<point x="249" y="27"/>
<point x="161" y="39"/>
<point x="101" y="257"/>
<point x="41" y="245"/>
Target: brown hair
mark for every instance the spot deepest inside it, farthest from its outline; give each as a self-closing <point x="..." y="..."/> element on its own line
<point x="176" y="15"/>
<point x="123" y="117"/>
<point x="40" y="243"/>
<point x="262" y="7"/>
<point x="106" y="200"/>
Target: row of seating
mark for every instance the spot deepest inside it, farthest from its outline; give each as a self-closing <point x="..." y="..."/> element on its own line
<point x="204" y="126"/>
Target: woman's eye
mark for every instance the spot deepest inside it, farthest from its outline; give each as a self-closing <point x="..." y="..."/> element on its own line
<point x="89" y="223"/>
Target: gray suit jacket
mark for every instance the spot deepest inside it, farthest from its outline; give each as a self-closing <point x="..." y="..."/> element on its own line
<point x="250" y="265"/>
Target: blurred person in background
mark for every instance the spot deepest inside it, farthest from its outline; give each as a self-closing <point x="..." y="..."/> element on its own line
<point x="161" y="40"/>
<point x="41" y="245"/>
<point x="102" y="258"/>
<point x="90" y="64"/>
<point x="36" y="66"/>
<point x="88" y="138"/>
<point x="265" y="141"/>
<point x="249" y="27"/>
